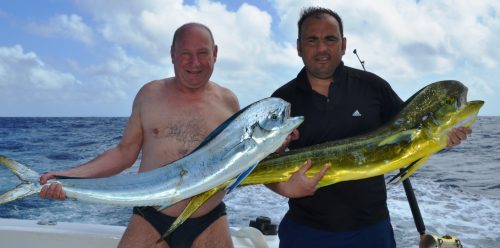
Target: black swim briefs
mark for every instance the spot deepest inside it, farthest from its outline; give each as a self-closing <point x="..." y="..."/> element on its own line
<point x="185" y="234"/>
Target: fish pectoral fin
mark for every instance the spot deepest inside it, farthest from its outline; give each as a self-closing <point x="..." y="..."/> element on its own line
<point x="402" y="171"/>
<point x="406" y="172"/>
<point x="407" y="136"/>
<point x="252" y="136"/>
<point x="193" y="205"/>
<point x="239" y="179"/>
<point x="238" y="148"/>
<point x="414" y="168"/>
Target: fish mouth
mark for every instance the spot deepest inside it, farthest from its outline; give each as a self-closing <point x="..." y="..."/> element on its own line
<point x="288" y="111"/>
<point x="475" y="105"/>
<point x="467" y="115"/>
<point x="292" y="123"/>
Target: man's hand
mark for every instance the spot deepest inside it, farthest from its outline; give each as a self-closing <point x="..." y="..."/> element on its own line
<point x="299" y="184"/>
<point x="457" y="135"/>
<point x="54" y="190"/>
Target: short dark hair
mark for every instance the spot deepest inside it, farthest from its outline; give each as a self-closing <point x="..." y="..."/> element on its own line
<point x="317" y="12"/>
<point x="183" y="27"/>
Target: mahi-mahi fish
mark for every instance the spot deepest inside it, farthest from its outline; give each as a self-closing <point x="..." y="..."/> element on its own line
<point x="223" y="159"/>
<point x="419" y="130"/>
<point x="405" y="143"/>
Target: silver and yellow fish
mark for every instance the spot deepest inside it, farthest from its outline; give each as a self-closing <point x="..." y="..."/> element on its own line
<point x="406" y="142"/>
<point x="221" y="161"/>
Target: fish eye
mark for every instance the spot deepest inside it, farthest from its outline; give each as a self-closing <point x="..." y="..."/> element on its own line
<point x="270" y="122"/>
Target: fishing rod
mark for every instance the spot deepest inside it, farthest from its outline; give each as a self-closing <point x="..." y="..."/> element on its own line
<point x="362" y="62"/>
<point x="426" y="240"/>
<point x="410" y="194"/>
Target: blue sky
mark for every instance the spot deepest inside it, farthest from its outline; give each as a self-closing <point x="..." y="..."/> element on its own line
<point x="89" y="58"/>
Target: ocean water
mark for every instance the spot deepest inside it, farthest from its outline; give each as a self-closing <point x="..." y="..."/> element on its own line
<point x="458" y="190"/>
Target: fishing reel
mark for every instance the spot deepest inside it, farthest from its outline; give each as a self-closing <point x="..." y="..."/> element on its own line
<point x="446" y="241"/>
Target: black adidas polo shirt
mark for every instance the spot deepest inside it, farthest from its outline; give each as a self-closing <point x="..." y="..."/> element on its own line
<point x="358" y="102"/>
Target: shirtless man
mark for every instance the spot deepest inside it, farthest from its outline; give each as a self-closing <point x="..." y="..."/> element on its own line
<point x="170" y="117"/>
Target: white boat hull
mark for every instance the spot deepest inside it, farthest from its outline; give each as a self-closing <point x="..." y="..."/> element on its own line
<point x="17" y="233"/>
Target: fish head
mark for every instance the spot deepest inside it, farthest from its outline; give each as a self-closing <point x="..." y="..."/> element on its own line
<point x="452" y="108"/>
<point x="447" y="108"/>
<point x="455" y="113"/>
<point x="272" y="122"/>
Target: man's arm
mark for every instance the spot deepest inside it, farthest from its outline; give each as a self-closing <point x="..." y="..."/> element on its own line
<point x="111" y="162"/>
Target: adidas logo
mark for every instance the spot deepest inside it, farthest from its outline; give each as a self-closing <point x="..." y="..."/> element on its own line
<point x="356" y="113"/>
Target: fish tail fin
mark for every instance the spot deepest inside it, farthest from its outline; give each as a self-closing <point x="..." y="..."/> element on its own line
<point x="192" y="206"/>
<point x="406" y="172"/>
<point x="29" y="180"/>
<point x="20" y="191"/>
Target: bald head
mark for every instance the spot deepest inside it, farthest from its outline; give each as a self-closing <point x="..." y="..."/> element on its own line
<point x="179" y="32"/>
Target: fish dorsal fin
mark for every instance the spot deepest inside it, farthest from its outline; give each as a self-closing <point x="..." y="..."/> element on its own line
<point x="398" y="137"/>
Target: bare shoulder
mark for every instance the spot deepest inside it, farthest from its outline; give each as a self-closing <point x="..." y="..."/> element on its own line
<point x="227" y="96"/>
<point x="153" y="86"/>
<point x="150" y="89"/>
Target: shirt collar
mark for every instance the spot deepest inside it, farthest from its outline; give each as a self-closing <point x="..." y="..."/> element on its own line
<point x="303" y="81"/>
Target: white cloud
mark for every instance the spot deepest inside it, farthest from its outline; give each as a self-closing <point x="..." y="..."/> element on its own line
<point x="25" y="80"/>
<point x="406" y="42"/>
<point x="248" y="56"/>
<point x="67" y="26"/>
<point x="24" y="72"/>
<point x="412" y="43"/>
<point x="121" y="76"/>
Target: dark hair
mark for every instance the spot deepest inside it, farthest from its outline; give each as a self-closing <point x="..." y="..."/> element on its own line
<point x="318" y="12"/>
<point x="184" y="27"/>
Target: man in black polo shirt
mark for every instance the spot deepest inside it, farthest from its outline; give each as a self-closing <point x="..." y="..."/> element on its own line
<point x="337" y="102"/>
